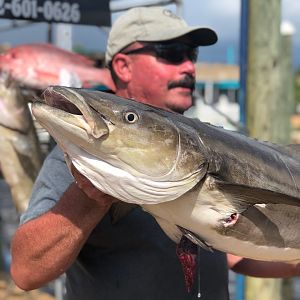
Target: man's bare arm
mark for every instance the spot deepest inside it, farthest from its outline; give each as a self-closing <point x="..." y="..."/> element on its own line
<point x="263" y="269"/>
<point x="43" y="248"/>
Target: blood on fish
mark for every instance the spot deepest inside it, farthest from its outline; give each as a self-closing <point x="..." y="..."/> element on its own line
<point x="187" y="254"/>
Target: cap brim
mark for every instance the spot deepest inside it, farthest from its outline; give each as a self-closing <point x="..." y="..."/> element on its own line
<point x="201" y="36"/>
<point x="196" y="36"/>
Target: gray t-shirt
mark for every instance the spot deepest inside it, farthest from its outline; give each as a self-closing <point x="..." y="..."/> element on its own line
<point x="132" y="259"/>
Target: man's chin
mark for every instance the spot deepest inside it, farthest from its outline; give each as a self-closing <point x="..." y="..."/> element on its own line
<point x="180" y="103"/>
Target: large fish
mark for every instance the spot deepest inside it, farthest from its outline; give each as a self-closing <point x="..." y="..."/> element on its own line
<point x="20" y="153"/>
<point x="219" y="188"/>
<point x="40" y="65"/>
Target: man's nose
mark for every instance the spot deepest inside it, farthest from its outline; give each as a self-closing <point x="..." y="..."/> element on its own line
<point x="188" y="67"/>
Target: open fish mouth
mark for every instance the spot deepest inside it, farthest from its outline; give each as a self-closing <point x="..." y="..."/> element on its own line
<point x="57" y="100"/>
<point x="66" y="105"/>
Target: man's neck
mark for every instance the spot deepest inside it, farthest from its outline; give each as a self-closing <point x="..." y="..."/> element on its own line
<point x="122" y="93"/>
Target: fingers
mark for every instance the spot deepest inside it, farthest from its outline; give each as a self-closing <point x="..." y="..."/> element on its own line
<point x="89" y="189"/>
<point x="79" y="178"/>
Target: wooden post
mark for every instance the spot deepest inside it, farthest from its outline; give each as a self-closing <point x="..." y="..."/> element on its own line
<point x="287" y="108"/>
<point x="263" y="78"/>
<point x="286" y="76"/>
<point x="263" y="92"/>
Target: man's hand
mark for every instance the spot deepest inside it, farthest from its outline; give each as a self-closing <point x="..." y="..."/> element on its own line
<point x="90" y="190"/>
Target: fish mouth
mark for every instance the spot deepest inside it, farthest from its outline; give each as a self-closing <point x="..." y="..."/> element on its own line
<point x="57" y="98"/>
<point x="73" y="108"/>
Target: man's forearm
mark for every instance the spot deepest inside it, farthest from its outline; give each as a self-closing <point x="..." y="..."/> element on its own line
<point x="263" y="269"/>
<point x="43" y="248"/>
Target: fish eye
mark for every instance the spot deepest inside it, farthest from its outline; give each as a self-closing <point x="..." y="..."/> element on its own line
<point x="131" y="117"/>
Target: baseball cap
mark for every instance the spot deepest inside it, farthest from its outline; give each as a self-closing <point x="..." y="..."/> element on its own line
<point x="154" y="24"/>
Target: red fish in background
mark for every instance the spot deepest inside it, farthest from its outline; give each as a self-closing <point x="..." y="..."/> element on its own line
<point x="40" y="65"/>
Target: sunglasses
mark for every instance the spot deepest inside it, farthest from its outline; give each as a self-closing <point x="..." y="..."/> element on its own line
<point x="174" y="53"/>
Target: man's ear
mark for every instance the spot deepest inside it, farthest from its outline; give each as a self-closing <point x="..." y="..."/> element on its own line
<point x="122" y="66"/>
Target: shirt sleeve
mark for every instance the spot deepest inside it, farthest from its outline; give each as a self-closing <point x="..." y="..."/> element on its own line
<point x="53" y="180"/>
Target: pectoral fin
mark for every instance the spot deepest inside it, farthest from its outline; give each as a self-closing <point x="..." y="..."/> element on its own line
<point x="243" y="195"/>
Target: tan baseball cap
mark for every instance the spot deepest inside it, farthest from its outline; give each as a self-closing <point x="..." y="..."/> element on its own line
<point x="153" y="24"/>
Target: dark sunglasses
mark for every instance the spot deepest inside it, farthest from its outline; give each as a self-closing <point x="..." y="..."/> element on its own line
<point x="174" y="53"/>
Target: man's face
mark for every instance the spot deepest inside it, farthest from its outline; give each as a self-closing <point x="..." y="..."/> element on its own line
<point x="160" y="81"/>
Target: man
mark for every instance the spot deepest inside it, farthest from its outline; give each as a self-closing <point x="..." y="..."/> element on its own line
<point x="151" y="54"/>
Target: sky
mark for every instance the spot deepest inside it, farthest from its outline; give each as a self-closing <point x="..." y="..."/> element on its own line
<point x="222" y="15"/>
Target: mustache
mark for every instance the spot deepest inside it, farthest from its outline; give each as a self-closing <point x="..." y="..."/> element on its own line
<point x="187" y="81"/>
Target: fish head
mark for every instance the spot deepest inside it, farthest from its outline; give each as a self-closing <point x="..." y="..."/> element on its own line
<point x="14" y="112"/>
<point x="11" y="59"/>
<point x="19" y="64"/>
<point x="111" y="136"/>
